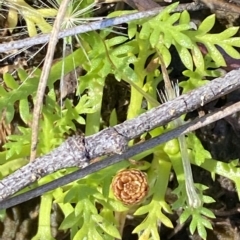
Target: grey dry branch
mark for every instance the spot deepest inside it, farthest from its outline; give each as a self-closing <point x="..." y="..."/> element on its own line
<point x="96" y="25"/>
<point x="185" y="103"/>
<point x="77" y="151"/>
<point x="130" y="152"/>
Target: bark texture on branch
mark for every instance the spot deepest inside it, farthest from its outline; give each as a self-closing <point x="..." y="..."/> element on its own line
<point x="130" y="152"/>
<point x="185" y="103"/>
<point x="77" y="151"/>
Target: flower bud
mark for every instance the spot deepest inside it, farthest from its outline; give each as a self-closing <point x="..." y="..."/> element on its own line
<point x="130" y="186"/>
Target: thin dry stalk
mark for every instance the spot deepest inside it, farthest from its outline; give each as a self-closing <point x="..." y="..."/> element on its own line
<point x="44" y="76"/>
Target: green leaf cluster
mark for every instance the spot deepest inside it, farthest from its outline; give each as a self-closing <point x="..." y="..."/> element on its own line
<point x="86" y="220"/>
<point x="134" y="59"/>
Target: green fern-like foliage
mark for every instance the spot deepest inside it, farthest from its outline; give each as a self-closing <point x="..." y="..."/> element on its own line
<point x="125" y="57"/>
<point x="17" y="91"/>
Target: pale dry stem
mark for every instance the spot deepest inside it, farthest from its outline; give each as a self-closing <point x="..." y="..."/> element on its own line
<point x="44" y="77"/>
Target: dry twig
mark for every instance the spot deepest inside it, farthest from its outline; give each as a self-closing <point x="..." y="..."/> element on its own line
<point x="222" y="5"/>
<point x="96" y="25"/>
<point x="77" y="151"/>
<point x="44" y="76"/>
<point x="184" y="129"/>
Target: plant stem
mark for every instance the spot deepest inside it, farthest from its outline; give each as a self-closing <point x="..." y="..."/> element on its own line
<point x="193" y="198"/>
<point x="136" y="98"/>
<point x="44" y="221"/>
<point x="93" y="119"/>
